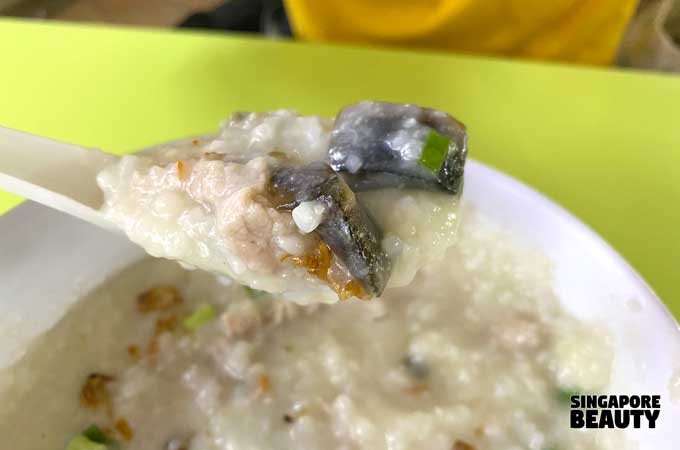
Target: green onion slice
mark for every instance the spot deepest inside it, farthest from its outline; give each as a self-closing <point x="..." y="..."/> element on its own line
<point x="564" y="394"/>
<point x="434" y="151"/>
<point x="93" y="438"/>
<point x="80" y="442"/>
<point x="201" y="315"/>
<point x="255" y="294"/>
<point x="95" y="434"/>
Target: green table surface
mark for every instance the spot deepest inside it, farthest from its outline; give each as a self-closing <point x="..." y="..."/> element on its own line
<point x="603" y="143"/>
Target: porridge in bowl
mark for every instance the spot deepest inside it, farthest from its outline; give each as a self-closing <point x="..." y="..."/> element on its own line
<point x="457" y="347"/>
<point x="474" y="354"/>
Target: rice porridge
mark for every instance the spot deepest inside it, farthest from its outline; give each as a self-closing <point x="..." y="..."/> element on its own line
<point x="444" y="338"/>
<point x="223" y="204"/>
<point x="474" y="354"/>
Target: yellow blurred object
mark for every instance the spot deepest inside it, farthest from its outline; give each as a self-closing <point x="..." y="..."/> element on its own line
<point x="582" y="31"/>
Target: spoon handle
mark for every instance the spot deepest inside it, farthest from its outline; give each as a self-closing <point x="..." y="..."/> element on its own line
<point x="56" y="174"/>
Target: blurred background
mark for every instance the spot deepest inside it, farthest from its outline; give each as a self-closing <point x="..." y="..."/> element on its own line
<point x="631" y="33"/>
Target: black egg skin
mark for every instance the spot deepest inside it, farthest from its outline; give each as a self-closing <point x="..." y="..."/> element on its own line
<point x="346" y="227"/>
<point x="360" y="147"/>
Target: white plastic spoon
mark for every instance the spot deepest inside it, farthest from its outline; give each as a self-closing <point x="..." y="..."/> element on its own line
<point x="56" y="174"/>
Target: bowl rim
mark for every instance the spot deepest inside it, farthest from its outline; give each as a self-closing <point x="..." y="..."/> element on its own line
<point x="524" y="190"/>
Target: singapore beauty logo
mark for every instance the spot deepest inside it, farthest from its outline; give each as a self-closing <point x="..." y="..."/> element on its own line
<point x="614" y="411"/>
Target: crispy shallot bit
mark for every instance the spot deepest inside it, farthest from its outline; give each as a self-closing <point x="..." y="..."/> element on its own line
<point x="123" y="428"/>
<point x="264" y="384"/>
<point x="95" y="392"/>
<point x="462" y="445"/>
<point x="158" y="298"/>
<point x="163" y="325"/>
<point x="133" y="351"/>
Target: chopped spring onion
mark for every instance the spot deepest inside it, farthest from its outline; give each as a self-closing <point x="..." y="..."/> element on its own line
<point x="80" y="442"/>
<point x="255" y="293"/>
<point x="201" y="315"/>
<point x="93" y="438"/>
<point x="434" y="151"/>
<point x="95" y="434"/>
<point x="564" y="394"/>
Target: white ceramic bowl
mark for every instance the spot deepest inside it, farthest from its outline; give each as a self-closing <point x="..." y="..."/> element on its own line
<point x="49" y="260"/>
